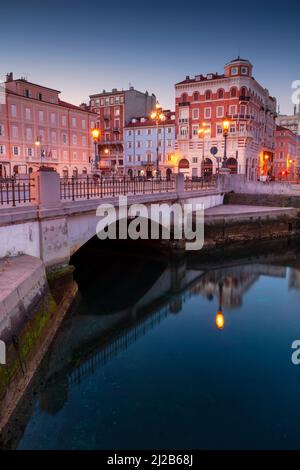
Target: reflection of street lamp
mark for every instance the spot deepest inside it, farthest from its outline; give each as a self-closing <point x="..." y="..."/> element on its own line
<point x="201" y="134"/>
<point x="95" y="133"/>
<point x="226" y="125"/>
<point x="220" y="322"/>
<point x="158" y="116"/>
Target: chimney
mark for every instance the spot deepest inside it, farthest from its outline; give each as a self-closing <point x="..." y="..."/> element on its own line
<point x="9" y="77"/>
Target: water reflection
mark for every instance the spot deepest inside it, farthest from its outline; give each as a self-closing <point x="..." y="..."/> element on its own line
<point x="118" y="307"/>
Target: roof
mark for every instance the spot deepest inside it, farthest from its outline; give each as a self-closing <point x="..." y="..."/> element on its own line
<point x="285" y="129"/>
<point x="238" y="59"/>
<point x="65" y="104"/>
<point x="150" y="123"/>
<point x="34" y="84"/>
<point x="202" y="78"/>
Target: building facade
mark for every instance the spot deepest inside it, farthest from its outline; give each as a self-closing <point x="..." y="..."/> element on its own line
<point x="292" y="122"/>
<point x="206" y="100"/>
<point x="142" y="137"/>
<point x="115" y="109"/>
<point x="37" y="127"/>
<point x="285" y="160"/>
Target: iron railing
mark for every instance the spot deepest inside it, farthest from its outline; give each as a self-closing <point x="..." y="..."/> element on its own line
<point x="196" y="184"/>
<point x="89" y="187"/>
<point x="16" y="191"/>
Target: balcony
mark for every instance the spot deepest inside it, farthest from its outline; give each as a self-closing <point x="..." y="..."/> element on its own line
<point x="244" y="98"/>
<point x="116" y="129"/>
<point x="184" y="103"/>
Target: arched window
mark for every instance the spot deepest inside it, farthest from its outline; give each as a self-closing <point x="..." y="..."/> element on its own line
<point x="243" y="91"/>
<point x="184" y="97"/>
<point x="196" y="96"/>
<point x="30" y="170"/>
<point x="220" y="94"/>
<point x="84" y="171"/>
<point x="208" y="95"/>
<point x="233" y="92"/>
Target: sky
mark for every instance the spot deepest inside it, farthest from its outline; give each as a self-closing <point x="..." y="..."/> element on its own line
<point x="83" y="47"/>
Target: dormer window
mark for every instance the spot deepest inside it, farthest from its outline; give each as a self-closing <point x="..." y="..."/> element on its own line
<point x="27" y="93"/>
<point x="40" y="96"/>
<point x="234" y="70"/>
<point x="244" y="70"/>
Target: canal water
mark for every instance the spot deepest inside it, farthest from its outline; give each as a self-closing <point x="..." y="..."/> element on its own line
<point x="190" y="353"/>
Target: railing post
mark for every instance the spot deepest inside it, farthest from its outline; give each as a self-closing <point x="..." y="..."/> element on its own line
<point x="46" y="188"/>
<point x="13" y="193"/>
<point x="179" y="184"/>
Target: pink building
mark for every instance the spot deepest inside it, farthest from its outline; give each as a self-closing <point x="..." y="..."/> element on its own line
<point x="37" y="127"/>
<point x="285" y="161"/>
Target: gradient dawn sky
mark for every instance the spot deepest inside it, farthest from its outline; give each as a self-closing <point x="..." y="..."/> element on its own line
<point x="84" y="47"/>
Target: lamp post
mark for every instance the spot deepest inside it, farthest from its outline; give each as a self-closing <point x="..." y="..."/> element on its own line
<point x="158" y="116"/>
<point x="202" y="131"/>
<point x="37" y="144"/>
<point x="226" y="124"/>
<point x="95" y="133"/>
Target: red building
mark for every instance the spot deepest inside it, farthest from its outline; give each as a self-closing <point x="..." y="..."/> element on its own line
<point x="205" y="101"/>
<point x="285" y="160"/>
<point x="115" y="109"/>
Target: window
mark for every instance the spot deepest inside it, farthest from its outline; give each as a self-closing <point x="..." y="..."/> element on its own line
<point x="207" y="113"/>
<point x="234" y="70"/>
<point x="129" y="145"/>
<point x="39" y="96"/>
<point x="2" y="149"/>
<point x="64" y="138"/>
<point x="169" y="143"/>
<point x="29" y="134"/>
<point x="139" y="132"/>
<point x="183" y="131"/>
<point x="13" y="110"/>
<point x="29" y="152"/>
<point x="83" y="124"/>
<point x="52" y="99"/>
<point x="208" y="95"/>
<point x="53" y="119"/>
<point x="41" y="116"/>
<point x="195" y="113"/>
<point x="27" y="113"/>
<point x="27" y="93"/>
<point x="117" y="111"/>
<point x="220" y="111"/>
<point x="117" y="99"/>
<point x="149" y="131"/>
<point x="84" y="141"/>
<point x="16" y="151"/>
<point x="74" y="139"/>
<point x="65" y="155"/>
<point x="233" y="93"/>
<point x="138" y="144"/>
<point x="196" y="96"/>
<point x="219" y="129"/>
<point x="15" y="131"/>
<point x="220" y="94"/>
<point x="232" y="109"/>
<point x="84" y="156"/>
<point x="184" y="97"/>
<point x="232" y="128"/>
<point x="244" y="70"/>
<point x="64" y="120"/>
<point x="194" y="160"/>
<point x="148" y="144"/>
<point x="53" y="137"/>
<point x="74" y="122"/>
<point x="130" y="158"/>
<point x="1" y="130"/>
<point x="195" y="130"/>
<point x="74" y="156"/>
<point x="169" y="130"/>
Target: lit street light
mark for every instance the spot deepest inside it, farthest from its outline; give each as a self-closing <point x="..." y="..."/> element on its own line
<point x="226" y="125"/>
<point x="158" y="116"/>
<point x="95" y="133"/>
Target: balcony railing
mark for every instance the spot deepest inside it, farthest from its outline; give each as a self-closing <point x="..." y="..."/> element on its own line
<point x="184" y="103"/>
<point x="16" y="191"/>
<point x="195" y="184"/>
<point x="244" y="98"/>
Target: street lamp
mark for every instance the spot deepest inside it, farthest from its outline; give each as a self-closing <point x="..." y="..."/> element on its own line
<point x="37" y="144"/>
<point x="158" y="116"/>
<point x="95" y="133"/>
<point x="226" y="125"/>
<point x="202" y="131"/>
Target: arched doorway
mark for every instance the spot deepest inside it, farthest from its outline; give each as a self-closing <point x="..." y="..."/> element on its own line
<point x="168" y="173"/>
<point x="65" y="172"/>
<point x="232" y="165"/>
<point x="130" y="173"/>
<point x="75" y="172"/>
<point x="208" y="167"/>
<point x="183" y="165"/>
<point x="30" y="170"/>
<point x="84" y="171"/>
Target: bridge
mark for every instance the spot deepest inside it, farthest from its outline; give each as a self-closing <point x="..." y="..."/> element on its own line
<point x="51" y="217"/>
